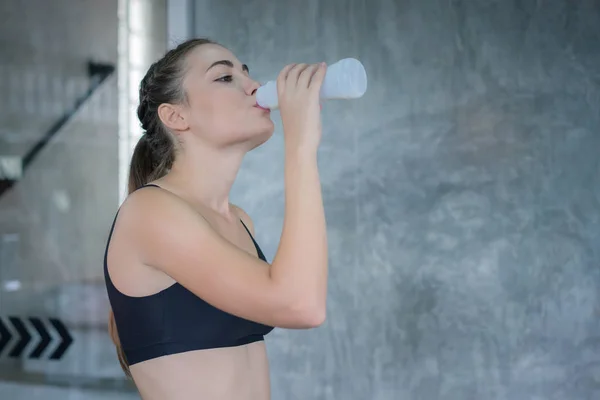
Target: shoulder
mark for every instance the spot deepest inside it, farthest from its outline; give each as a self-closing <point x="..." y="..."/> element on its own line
<point x="153" y="208"/>
<point x="151" y="200"/>
<point x="244" y="217"/>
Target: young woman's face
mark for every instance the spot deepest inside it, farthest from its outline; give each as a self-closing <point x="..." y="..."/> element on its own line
<point x="221" y="99"/>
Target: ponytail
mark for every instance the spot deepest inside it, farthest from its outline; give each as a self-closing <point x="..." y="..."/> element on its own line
<point x="114" y="335"/>
<point x="146" y="165"/>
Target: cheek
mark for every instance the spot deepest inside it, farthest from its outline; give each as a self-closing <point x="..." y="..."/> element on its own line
<point x="222" y="112"/>
<point x="219" y="106"/>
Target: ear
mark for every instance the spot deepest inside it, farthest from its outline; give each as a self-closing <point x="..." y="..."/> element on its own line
<point x="173" y="117"/>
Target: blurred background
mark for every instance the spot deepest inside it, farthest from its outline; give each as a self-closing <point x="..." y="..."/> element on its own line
<point x="462" y="191"/>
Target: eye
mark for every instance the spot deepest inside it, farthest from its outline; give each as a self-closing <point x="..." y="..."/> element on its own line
<point x="226" y="78"/>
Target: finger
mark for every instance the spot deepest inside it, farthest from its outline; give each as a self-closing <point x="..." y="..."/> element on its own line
<point x="318" y="77"/>
<point x="295" y="73"/>
<point x="283" y="77"/>
<point x="306" y="76"/>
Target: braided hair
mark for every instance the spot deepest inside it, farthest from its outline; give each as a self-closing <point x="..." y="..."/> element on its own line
<point x="154" y="154"/>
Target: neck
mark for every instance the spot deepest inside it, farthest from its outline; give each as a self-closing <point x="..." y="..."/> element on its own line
<point x="207" y="175"/>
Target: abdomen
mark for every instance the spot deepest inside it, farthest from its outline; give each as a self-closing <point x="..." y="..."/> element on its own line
<point x="236" y="373"/>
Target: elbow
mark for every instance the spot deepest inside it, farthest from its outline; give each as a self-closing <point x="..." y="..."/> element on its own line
<point x="310" y="316"/>
<point x="302" y="308"/>
<point x="316" y="318"/>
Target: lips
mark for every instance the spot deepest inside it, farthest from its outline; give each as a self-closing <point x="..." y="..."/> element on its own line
<point x="262" y="108"/>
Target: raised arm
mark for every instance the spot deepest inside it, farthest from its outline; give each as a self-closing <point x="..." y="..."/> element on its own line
<point x="291" y="292"/>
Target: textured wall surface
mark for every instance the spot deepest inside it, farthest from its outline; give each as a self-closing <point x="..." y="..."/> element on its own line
<point x="462" y="195"/>
<point x="71" y="185"/>
<point x="54" y="222"/>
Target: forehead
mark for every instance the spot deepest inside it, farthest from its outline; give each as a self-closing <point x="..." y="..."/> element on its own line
<point x="205" y="55"/>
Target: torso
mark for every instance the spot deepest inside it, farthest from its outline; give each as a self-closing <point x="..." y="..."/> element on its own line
<point x="239" y="372"/>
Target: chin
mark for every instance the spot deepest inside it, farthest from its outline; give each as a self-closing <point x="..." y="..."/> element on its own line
<point x="253" y="134"/>
<point x="261" y="137"/>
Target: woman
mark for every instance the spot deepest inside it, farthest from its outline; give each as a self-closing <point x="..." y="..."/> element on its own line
<point x="191" y="292"/>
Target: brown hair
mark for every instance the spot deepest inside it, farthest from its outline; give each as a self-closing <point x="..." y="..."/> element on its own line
<point x="154" y="153"/>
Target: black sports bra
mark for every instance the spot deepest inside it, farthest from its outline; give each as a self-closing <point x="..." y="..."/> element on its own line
<point x="175" y="320"/>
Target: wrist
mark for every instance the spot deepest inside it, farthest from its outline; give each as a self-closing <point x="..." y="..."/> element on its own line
<point x="301" y="153"/>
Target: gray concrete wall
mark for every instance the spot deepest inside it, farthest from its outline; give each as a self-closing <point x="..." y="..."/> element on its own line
<point x="70" y="189"/>
<point x="462" y="195"/>
<point x="54" y="223"/>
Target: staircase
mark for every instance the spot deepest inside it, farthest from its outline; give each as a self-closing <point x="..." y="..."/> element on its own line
<point x="13" y="167"/>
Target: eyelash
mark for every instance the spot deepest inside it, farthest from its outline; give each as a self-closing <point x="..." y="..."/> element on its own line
<point x="228" y="78"/>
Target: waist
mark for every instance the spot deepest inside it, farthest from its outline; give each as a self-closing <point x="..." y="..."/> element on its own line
<point x="239" y="373"/>
<point x="140" y="354"/>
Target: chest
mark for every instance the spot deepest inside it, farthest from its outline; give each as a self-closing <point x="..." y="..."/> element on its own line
<point x="234" y="232"/>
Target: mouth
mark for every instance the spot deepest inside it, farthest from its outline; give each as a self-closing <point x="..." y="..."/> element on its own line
<point x="262" y="108"/>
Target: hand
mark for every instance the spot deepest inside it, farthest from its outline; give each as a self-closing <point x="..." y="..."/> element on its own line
<point x="298" y="87"/>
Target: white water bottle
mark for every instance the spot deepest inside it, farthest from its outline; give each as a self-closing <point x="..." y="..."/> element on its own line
<point x="345" y="79"/>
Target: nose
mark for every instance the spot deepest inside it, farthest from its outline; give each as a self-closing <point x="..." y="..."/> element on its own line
<point x="251" y="87"/>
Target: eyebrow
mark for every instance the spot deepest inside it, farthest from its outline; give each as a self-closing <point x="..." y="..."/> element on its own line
<point x="228" y="64"/>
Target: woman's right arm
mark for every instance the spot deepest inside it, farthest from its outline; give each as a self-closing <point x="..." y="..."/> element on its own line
<point x="171" y="236"/>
